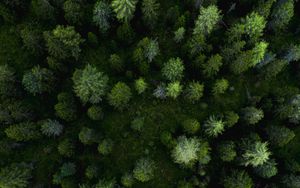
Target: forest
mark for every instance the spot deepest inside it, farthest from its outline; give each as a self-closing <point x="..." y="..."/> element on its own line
<point x="149" y="93"/>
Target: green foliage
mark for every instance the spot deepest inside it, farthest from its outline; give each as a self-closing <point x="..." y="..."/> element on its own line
<point x="32" y="40"/>
<point x="101" y="15"/>
<point x="293" y="53"/>
<point x="124" y="9"/>
<point x="220" y="86"/>
<point x="73" y="13"/>
<point x="66" y="108"/>
<point x="67" y="169"/>
<point x="116" y="62"/>
<point x="137" y="124"/>
<point x="174" y="89"/>
<point x="249" y="58"/>
<point x="23" y="131"/>
<point x="38" y="80"/>
<point x="66" y="148"/>
<point x="91" y="171"/>
<point x="252" y="115"/>
<point x="214" y="126"/>
<point x="207" y="20"/>
<point x="279" y="135"/>
<point x="291" y="181"/>
<point x="140" y="85"/>
<point x="179" y="34"/>
<point x="150" y="12"/>
<point x="254" y="25"/>
<point x="7" y="81"/>
<point x="186" y="151"/>
<point x="282" y="14"/>
<point x="119" y="95"/>
<point x="212" y="67"/>
<point x="16" y="175"/>
<point x="90" y="85"/>
<point x="87" y="136"/>
<point x="51" y="127"/>
<point x="144" y="169"/>
<point x="95" y="113"/>
<point x="104" y="183"/>
<point x="256" y="154"/>
<point x="204" y="153"/>
<point x="105" y="146"/>
<point x="267" y="170"/>
<point x="173" y="69"/>
<point x="191" y="126"/>
<point x="238" y="179"/>
<point x="43" y="10"/>
<point x="63" y="42"/>
<point x="227" y="151"/>
<point x="194" y="91"/>
<point x="231" y="118"/>
<point x="127" y="180"/>
<point x="147" y="49"/>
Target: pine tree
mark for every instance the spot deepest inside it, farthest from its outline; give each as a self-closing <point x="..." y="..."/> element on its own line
<point x="186" y="151"/>
<point x="51" y="127"/>
<point x="238" y="179"/>
<point x="90" y="85"/>
<point x="144" y="170"/>
<point x="150" y="10"/>
<point x="102" y="15"/>
<point x="124" y="9"/>
<point x="173" y="69"/>
<point x="120" y="95"/>
<point x="256" y="154"/>
<point x="38" y="80"/>
<point x="214" y="126"/>
<point x="23" y="131"/>
<point x="63" y="42"/>
<point x="15" y="175"/>
<point x="207" y="20"/>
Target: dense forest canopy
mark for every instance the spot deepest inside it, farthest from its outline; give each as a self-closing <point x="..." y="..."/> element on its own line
<point x="149" y="93"/>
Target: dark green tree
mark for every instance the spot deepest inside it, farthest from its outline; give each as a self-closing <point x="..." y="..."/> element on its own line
<point x="16" y="175"/>
<point x="102" y="15"/>
<point x="120" y="95"/>
<point x="38" y="80"/>
<point x="63" y="42"/>
<point x="144" y="169"/>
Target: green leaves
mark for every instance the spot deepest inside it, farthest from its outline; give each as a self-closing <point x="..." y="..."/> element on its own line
<point x="119" y="96"/>
<point x="90" y="85"/>
<point x="124" y="9"/>
<point x="207" y="20"/>
<point x="173" y="69"/>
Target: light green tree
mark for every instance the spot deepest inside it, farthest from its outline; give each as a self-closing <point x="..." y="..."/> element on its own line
<point x="91" y="171"/>
<point x="186" y="151"/>
<point x="90" y="85"/>
<point x="127" y="180"/>
<point x="124" y="9"/>
<point x="174" y="89"/>
<point x="140" y="85"/>
<point x="254" y="25"/>
<point x="214" y="126"/>
<point x="256" y="154"/>
<point x="173" y="69"/>
<point x="207" y="20"/>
